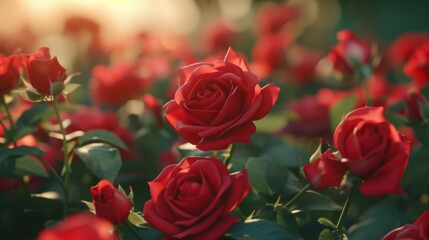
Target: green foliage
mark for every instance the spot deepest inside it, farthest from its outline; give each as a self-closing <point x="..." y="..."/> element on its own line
<point x="259" y="229"/>
<point x="101" y="159"/>
<point x="314" y="201"/>
<point x="28" y="165"/>
<point x="340" y="109"/>
<point x="101" y="136"/>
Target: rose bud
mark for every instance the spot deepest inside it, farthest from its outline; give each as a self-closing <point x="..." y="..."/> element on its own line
<point x="44" y="70"/>
<point x="418" y="230"/>
<point x="373" y="150"/>
<point x="412" y="106"/>
<point x="9" y="73"/>
<point x="326" y="171"/>
<point x="217" y="103"/>
<point x="349" y="51"/>
<point x="110" y="203"/>
<point x="417" y="66"/>
<point x="194" y="198"/>
<point x="82" y="226"/>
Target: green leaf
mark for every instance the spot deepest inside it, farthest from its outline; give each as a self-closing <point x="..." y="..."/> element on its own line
<point x="101" y="136"/>
<point x="286" y="219"/>
<point x="267" y="177"/>
<point x="286" y="154"/>
<point x="314" y="201"/>
<point x="316" y="155"/>
<point x="101" y="159"/>
<point x="326" y="235"/>
<point x="340" y="109"/>
<point x="326" y="222"/>
<point x="70" y="87"/>
<point x="19" y="151"/>
<point x="28" y="165"/>
<point x="32" y="116"/>
<point x="90" y="206"/>
<point x="258" y="229"/>
<point x="136" y="218"/>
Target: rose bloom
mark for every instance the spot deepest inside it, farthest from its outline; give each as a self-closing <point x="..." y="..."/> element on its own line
<point x="194" y="199"/>
<point x="269" y="51"/>
<point x="373" y="150"/>
<point x="110" y="203"/>
<point x="218" y="36"/>
<point x="403" y="47"/>
<point x="417" y="66"/>
<point x="44" y="70"/>
<point x="418" y="230"/>
<point x="413" y="101"/>
<point x="116" y="84"/>
<point x="326" y="171"/>
<point x="217" y="103"/>
<point x="9" y="73"/>
<point x="82" y="226"/>
<point x="271" y="18"/>
<point x="312" y="118"/>
<point x="349" y="47"/>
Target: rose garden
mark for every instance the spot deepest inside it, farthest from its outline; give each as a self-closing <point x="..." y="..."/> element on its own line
<point x="239" y="131"/>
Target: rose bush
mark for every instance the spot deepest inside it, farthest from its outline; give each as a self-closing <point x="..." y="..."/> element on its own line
<point x="218" y="101"/>
<point x="194" y="199"/>
<point x="373" y="150"/>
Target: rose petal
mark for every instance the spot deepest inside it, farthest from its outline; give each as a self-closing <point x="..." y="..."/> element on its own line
<point x="153" y="218"/>
<point x="240" y="187"/>
<point x="233" y="57"/>
<point x="269" y="95"/>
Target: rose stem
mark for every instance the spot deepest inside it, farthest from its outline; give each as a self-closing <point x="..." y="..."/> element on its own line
<point x="9" y="117"/>
<point x="368" y="100"/>
<point x="66" y="160"/>
<point x="297" y="196"/>
<point x="133" y="231"/>
<point x="346" y="207"/>
<point x="365" y="75"/>
<point x="228" y="154"/>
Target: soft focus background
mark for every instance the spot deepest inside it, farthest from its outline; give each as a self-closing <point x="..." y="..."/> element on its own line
<point x="161" y="35"/>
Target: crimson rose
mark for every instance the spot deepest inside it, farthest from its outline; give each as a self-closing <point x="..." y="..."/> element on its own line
<point x="110" y="203"/>
<point x="82" y="226"/>
<point x="372" y="149"/>
<point x="193" y="199"/>
<point x="44" y="70"/>
<point x="326" y="171"/>
<point x="418" y="230"/>
<point x="218" y="101"/>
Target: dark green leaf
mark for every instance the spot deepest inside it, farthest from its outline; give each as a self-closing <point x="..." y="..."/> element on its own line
<point x="32" y="116"/>
<point x="314" y="201"/>
<point x="258" y="229"/>
<point x="28" y="165"/>
<point x="101" y="159"/>
<point x="286" y="219"/>
<point x="326" y="235"/>
<point x="19" y="151"/>
<point x="326" y="222"/>
<point x="101" y="136"/>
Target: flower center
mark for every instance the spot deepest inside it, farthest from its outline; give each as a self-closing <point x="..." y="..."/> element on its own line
<point x="189" y="189"/>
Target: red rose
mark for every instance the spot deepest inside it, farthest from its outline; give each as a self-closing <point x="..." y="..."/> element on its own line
<point x="82" y="226"/>
<point x="412" y="105"/>
<point x="9" y="73"/>
<point x="312" y="118"/>
<point x="218" y="101"/>
<point x="269" y="51"/>
<point x="403" y="47"/>
<point x="417" y="66"/>
<point x="110" y="203"/>
<point x="44" y="70"/>
<point x="326" y="171"/>
<point x="119" y="83"/>
<point x="272" y="18"/>
<point x="193" y="199"/>
<point x="350" y="48"/>
<point x="372" y="149"/>
<point x="302" y="65"/>
<point x="218" y="35"/>
<point x="418" y="230"/>
<point x="153" y="106"/>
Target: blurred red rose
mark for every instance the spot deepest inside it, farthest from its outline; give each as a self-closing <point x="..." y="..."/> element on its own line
<point x="218" y="36"/>
<point x="312" y="118"/>
<point x="270" y="51"/>
<point x="302" y="64"/>
<point x="373" y="150"/>
<point x="116" y="84"/>
<point x="44" y="70"/>
<point x="193" y="199"/>
<point x="418" y="230"/>
<point x="403" y="47"/>
<point x="326" y="171"/>
<point x="271" y="18"/>
<point x="417" y="66"/>
<point x="350" y="49"/>
<point x="217" y="103"/>
<point x="412" y="105"/>
<point x="110" y="203"/>
<point x="82" y="226"/>
<point x="9" y="73"/>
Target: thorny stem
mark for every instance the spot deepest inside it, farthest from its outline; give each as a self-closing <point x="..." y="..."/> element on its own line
<point x="228" y="154"/>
